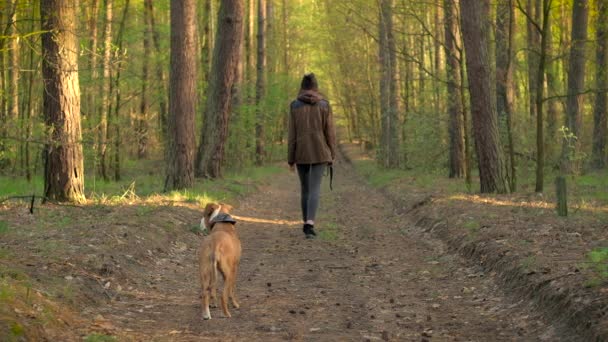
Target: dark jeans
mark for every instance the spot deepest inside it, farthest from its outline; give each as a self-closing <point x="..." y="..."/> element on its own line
<point x="310" y="182"/>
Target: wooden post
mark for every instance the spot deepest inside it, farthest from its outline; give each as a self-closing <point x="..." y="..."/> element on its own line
<point x="562" y="196"/>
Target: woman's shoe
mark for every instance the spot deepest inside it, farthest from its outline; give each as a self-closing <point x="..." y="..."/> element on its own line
<point x="309" y="231"/>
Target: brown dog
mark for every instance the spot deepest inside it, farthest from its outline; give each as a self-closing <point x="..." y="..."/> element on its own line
<point x="220" y="252"/>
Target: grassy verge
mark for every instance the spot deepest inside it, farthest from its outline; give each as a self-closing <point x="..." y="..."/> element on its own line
<point x="63" y="258"/>
<point x="559" y="262"/>
<point x="138" y="184"/>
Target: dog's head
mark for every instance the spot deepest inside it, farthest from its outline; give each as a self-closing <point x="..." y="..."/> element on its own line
<point x="210" y="212"/>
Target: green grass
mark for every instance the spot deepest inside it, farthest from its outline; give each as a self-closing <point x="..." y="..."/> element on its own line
<point x="597" y="262"/>
<point x="3" y="227"/>
<point x="380" y="177"/>
<point x="329" y="232"/>
<point x="139" y="182"/>
<point x="95" y="337"/>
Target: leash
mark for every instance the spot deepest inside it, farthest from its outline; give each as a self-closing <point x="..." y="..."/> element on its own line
<point x="331" y="176"/>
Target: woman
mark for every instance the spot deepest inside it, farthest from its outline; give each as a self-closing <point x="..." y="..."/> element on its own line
<point x="312" y="146"/>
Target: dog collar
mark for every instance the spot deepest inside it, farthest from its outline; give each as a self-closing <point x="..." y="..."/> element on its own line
<point x="222" y="217"/>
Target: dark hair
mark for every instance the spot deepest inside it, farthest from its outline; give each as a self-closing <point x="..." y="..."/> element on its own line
<point x="309" y="82"/>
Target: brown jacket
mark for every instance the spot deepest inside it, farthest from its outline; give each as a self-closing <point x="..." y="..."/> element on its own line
<point x="312" y="137"/>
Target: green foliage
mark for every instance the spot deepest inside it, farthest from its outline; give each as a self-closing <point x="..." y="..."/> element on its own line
<point x="597" y="262"/>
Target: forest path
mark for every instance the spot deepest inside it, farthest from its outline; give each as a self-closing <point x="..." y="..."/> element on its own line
<point x="370" y="276"/>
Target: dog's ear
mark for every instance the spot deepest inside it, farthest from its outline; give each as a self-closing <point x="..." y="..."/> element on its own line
<point x="209" y="208"/>
<point x="226" y="207"/>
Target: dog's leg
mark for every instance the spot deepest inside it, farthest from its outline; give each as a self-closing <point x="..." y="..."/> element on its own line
<point x="227" y="273"/>
<point x="224" y="302"/>
<point x="214" y="297"/>
<point x="233" y="288"/>
<point x="206" y="312"/>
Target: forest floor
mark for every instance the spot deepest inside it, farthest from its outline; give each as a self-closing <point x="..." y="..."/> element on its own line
<point x="380" y="270"/>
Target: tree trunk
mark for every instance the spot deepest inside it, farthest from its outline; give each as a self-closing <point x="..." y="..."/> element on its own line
<point x="454" y="84"/>
<point x="13" y="71"/>
<point x="105" y="92"/>
<point x="533" y="15"/>
<point x="210" y="154"/>
<point x="206" y="36"/>
<point x="27" y="112"/>
<point x="116" y="119"/>
<point x="182" y="100"/>
<point x="576" y="81"/>
<point x="540" y="140"/>
<point x="92" y="61"/>
<point x="64" y="170"/>
<point x="553" y="88"/>
<point x="476" y="34"/>
<point x="144" y="105"/>
<point x="388" y="88"/>
<point x="160" y="70"/>
<point x="505" y="88"/>
<point x="600" y="130"/>
<point x="260" y="85"/>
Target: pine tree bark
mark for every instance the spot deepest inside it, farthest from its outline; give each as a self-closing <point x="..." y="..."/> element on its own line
<point x="454" y="84"/>
<point x="476" y="34"/>
<point x="260" y="85"/>
<point x="182" y="100"/>
<point x="210" y="156"/>
<point x="600" y="129"/>
<point x="571" y="162"/>
<point x="64" y="170"/>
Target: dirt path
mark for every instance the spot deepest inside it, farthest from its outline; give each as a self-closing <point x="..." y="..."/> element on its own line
<point x="370" y="276"/>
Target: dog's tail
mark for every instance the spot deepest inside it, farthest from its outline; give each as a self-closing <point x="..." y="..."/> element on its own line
<point x="214" y="264"/>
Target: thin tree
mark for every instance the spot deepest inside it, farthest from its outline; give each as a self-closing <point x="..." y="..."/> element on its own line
<point x="106" y="86"/>
<point x="455" y="108"/>
<point x="532" y="11"/>
<point x="144" y="104"/>
<point x="182" y="99"/>
<point x="476" y="34"/>
<point x="505" y="87"/>
<point x="600" y="130"/>
<point x="389" y="149"/>
<point x="160" y="69"/>
<point x="90" y="97"/>
<point x="63" y="159"/>
<point x="260" y="85"/>
<point x="116" y="88"/>
<point x="540" y="140"/>
<point x="576" y="81"/>
<point x="13" y="60"/>
<point x="210" y="155"/>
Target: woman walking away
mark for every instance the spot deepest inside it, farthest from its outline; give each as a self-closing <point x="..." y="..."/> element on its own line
<point x="312" y="146"/>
